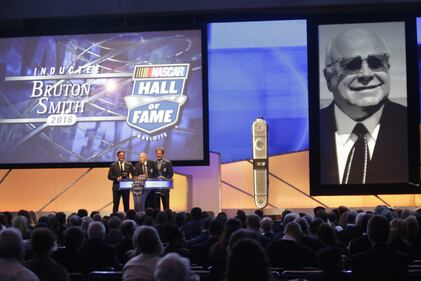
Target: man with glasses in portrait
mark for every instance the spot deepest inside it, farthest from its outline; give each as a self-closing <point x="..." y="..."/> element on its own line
<point x="363" y="134"/>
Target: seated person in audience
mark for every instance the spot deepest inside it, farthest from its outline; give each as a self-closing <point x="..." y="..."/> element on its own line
<point x="199" y="253"/>
<point x="218" y="253"/>
<point x="99" y="255"/>
<point x="193" y="228"/>
<point x="313" y="243"/>
<point x="114" y="235"/>
<point x="350" y="230"/>
<point x="361" y="244"/>
<point x="332" y="266"/>
<point x="380" y="262"/>
<point x="160" y="222"/>
<point x="203" y="236"/>
<point x="11" y="256"/>
<point x="253" y="224"/>
<point x="327" y="235"/>
<point x="267" y="228"/>
<point x="398" y="238"/>
<point x="288" y="252"/>
<point x="413" y="238"/>
<point x="123" y="248"/>
<point x="147" y="249"/>
<point x="175" y="241"/>
<point x="42" y="244"/>
<point x="71" y="256"/>
<point x="172" y="267"/>
<point x="247" y="261"/>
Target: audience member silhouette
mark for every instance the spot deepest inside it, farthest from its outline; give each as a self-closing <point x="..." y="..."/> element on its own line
<point x="147" y="249"/>
<point x="42" y="244"/>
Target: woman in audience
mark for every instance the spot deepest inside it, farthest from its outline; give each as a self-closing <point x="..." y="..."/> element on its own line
<point x="147" y="249"/>
<point x="247" y="261"/>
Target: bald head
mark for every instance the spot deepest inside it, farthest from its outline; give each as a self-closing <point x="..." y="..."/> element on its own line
<point x="143" y="157"/>
<point x="354" y="42"/>
<point x="357" y="72"/>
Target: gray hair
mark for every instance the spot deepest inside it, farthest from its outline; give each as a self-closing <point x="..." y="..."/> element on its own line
<point x="96" y="230"/>
<point x="11" y="244"/>
<point x="172" y="267"/>
<point x="146" y="241"/>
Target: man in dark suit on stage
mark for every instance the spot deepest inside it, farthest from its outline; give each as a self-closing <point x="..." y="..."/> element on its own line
<point x="143" y="168"/>
<point x="162" y="169"/>
<point x="118" y="171"/>
<point x="363" y="134"/>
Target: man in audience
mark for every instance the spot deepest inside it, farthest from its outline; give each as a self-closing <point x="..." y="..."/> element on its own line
<point x="71" y="256"/>
<point x="202" y="237"/>
<point x="127" y="229"/>
<point x="194" y="227"/>
<point x="147" y="249"/>
<point x="332" y="266"/>
<point x="172" y="267"/>
<point x="11" y="255"/>
<point x="362" y="243"/>
<point x="199" y="253"/>
<point x="100" y="256"/>
<point x="380" y="262"/>
<point x="267" y="228"/>
<point x="114" y="235"/>
<point x="350" y="230"/>
<point x="42" y="244"/>
<point x="288" y="252"/>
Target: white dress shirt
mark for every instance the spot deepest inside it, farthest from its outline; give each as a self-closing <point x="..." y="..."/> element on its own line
<point x="345" y="139"/>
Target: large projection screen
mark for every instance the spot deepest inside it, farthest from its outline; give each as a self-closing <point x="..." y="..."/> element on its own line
<point x="75" y="100"/>
<point x="365" y="113"/>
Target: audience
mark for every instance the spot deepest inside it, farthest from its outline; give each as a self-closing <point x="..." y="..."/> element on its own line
<point x="372" y="245"/>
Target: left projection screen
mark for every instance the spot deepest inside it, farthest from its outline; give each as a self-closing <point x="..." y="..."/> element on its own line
<point x="75" y="100"/>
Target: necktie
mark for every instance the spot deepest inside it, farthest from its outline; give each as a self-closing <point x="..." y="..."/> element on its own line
<point x="121" y="166"/>
<point x="145" y="170"/>
<point x="356" y="166"/>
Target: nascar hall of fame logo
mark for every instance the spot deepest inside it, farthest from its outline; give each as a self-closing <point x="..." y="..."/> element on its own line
<point x="157" y="96"/>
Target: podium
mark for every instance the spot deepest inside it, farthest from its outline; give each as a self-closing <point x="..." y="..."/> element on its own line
<point x="142" y="188"/>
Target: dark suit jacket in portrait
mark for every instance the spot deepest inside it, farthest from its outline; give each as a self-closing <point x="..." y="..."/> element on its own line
<point x="114" y="172"/>
<point x="389" y="162"/>
<point x="166" y="169"/>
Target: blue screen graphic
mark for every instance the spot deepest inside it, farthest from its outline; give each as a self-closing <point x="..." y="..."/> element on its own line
<point x="82" y="98"/>
<point x="257" y="69"/>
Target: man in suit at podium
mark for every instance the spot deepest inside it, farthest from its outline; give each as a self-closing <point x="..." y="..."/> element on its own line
<point x="118" y="171"/>
<point x="143" y="168"/>
<point x="162" y="169"/>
